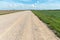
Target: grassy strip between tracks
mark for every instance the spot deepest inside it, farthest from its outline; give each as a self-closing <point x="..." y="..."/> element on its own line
<point x="51" y="18"/>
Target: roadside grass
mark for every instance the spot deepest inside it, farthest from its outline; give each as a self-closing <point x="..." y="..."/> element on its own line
<point x="3" y="12"/>
<point x="51" y="18"/>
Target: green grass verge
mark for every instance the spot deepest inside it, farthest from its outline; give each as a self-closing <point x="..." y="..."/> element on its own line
<point x="51" y="18"/>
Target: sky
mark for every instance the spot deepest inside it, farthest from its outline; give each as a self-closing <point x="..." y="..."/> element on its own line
<point x="29" y="4"/>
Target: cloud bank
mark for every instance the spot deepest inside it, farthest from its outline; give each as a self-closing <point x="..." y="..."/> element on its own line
<point x="24" y="5"/>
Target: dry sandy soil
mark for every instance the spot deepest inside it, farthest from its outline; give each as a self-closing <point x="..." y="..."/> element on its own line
<point x="24" y="26"/>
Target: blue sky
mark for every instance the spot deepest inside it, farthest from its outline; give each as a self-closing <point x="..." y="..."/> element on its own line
<point x="29" y="4"/>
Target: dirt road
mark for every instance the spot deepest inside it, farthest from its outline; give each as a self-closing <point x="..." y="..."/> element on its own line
<point x="24" y="26"/>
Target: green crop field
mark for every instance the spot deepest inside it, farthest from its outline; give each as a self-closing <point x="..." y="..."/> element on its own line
<point x="51" y="18"/>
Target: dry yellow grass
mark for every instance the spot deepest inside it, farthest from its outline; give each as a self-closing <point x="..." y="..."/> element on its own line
<point x="8" y="11"/>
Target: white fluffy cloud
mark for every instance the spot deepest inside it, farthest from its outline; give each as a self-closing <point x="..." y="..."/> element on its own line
<point x="15" y="6"/>
<point x="4" y="5"/>
<point x="49" y="6"/>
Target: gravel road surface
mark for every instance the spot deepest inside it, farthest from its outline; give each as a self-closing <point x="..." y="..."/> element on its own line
<point x="24" y="26"/>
